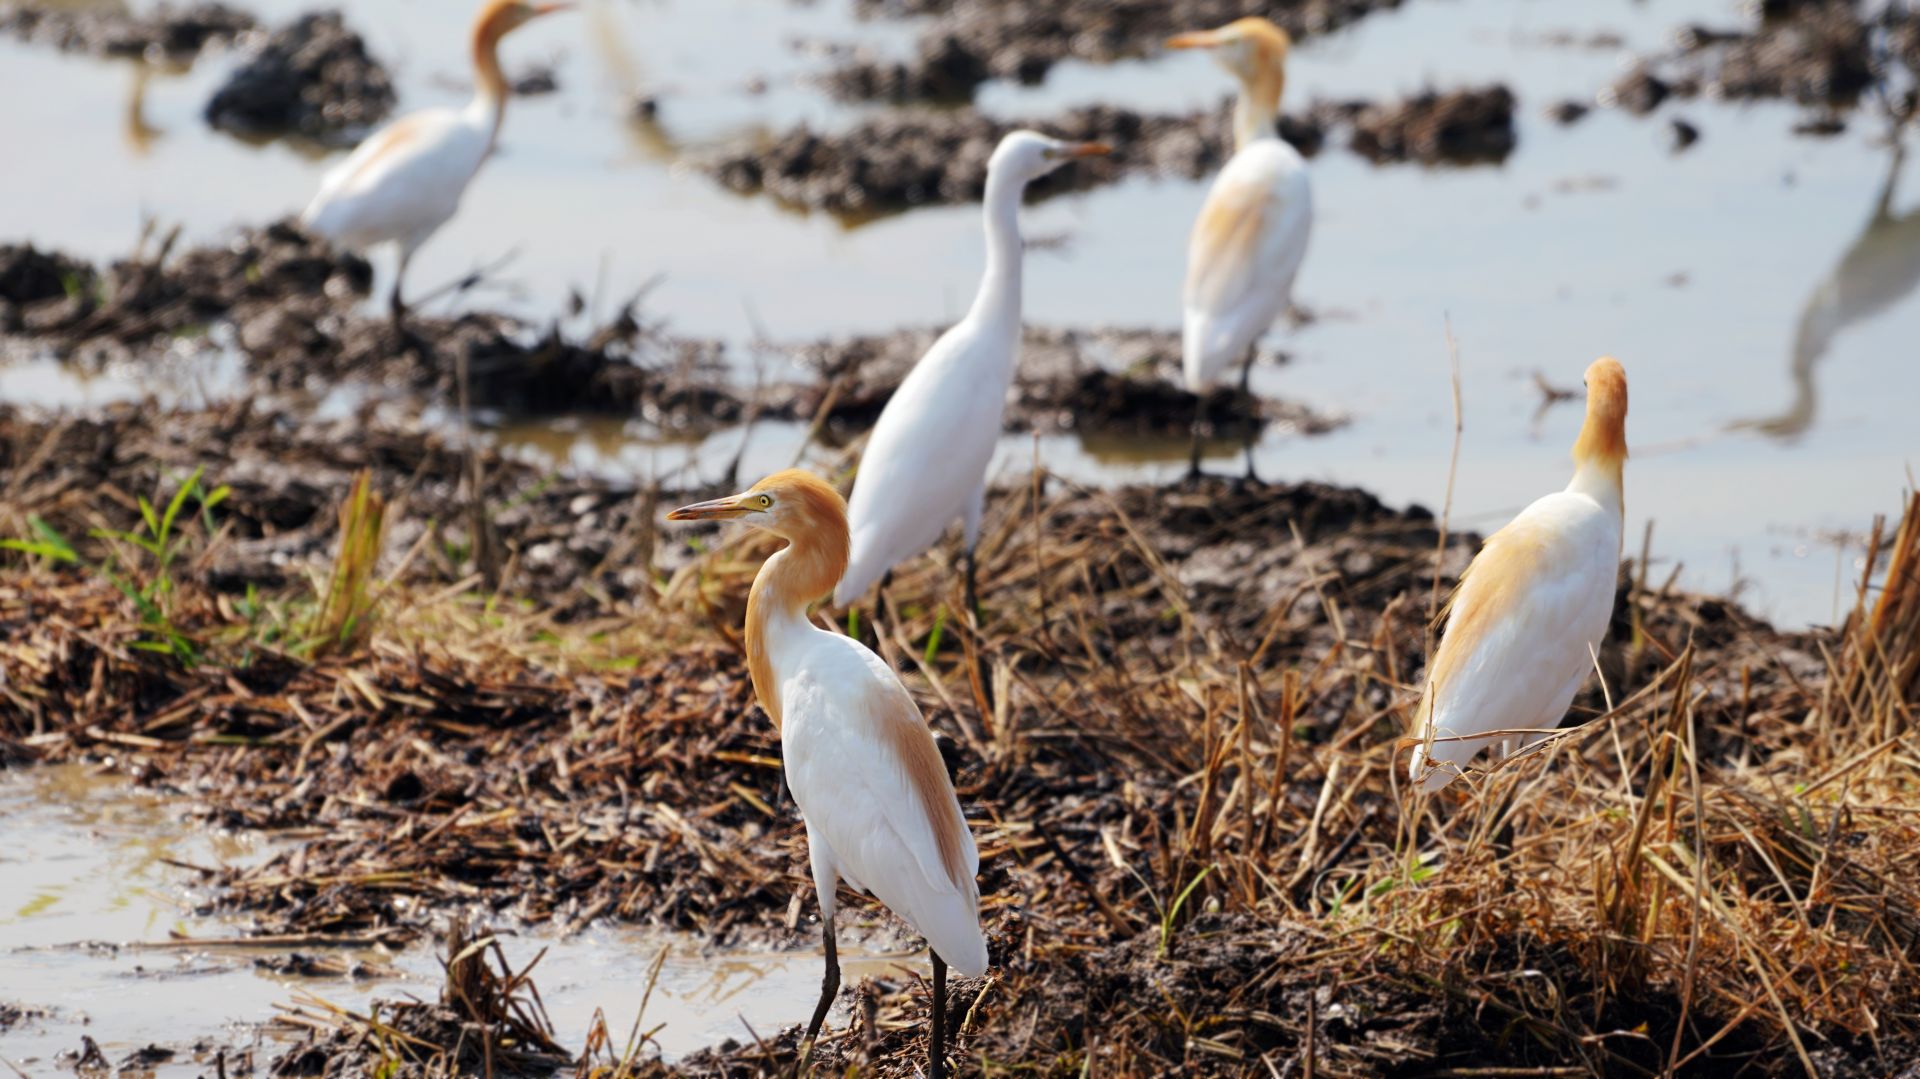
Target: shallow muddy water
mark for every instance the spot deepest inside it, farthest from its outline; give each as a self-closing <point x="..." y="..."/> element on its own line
<point x="94" y="881"/>
<point x="1759" y="286"/>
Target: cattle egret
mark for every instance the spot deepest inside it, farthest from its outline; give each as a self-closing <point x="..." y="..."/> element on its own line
<point x="926" y="462"/>
<point x="405" y="181"/>
<point x="1530" y="613"/>
<point x="863" y="767"/>
<point x="1252" y="231"/>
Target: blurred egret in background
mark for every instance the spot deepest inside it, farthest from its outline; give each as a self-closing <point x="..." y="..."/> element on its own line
<point x="405" y="181"/>
<point x="1252" y="231"/>
<point x="863" y="767"/>
<point x="926" y="462"/>
<point x="1529" y="616"/>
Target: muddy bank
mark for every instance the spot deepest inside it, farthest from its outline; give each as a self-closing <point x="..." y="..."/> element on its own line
<point x="164" y="34"/>
<point x="1184" y="698"/>
<point x="312" y="77"/>
<point x="1113" y="381"/>
<point x="296" y="307"/>
<point x="287" y="470"/>
<point x="970" y="41"/>
<point x="1458" y="127"/>
<point x="1818" y="53"/>
<point x="1185" y="705"/>
<point x="906" y="159"/>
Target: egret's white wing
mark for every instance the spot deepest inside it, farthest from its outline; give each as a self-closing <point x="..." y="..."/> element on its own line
<point x="1245" y="250"/>
<point x="865" y="771"/>
<point x="403" y="182"/>
<point x="1522" y="629"/>
<point x="929" y="452"/>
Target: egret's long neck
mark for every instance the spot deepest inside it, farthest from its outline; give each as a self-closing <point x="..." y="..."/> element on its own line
<point x="1257" y="111"/>
<point x="1602" y="481"/>
<point x="999" y="298"/>
<point x="1599" y="459"/>
<point x="489" y="103"/>
<point x="791" y="579"/>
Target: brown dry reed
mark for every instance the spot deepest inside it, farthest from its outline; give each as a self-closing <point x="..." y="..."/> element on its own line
<point x="1179" y="733"/>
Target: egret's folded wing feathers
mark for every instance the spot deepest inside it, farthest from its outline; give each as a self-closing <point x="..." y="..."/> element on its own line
<point x="1246" y="247"/>
<point x="871" y="782"/>
<point x="928" y="453"/>
<point x="1521" y="626"/>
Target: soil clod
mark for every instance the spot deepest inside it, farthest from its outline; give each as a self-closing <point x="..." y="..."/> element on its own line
<point x="163" y="34"/>
<point x="312" y="77"/>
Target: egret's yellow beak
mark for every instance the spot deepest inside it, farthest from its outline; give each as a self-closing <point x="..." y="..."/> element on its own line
<point x="1086" y="149"/>
<point x="1197" y="39"/>
<point x="716" y="509"/>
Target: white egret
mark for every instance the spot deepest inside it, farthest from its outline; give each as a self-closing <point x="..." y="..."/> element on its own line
<point x="1532" y="610"/>
<point x="1252" y="232"/>
<point x="926" y="462"/>
<point x="405" y="180"/>
<point x="863" y="767"/>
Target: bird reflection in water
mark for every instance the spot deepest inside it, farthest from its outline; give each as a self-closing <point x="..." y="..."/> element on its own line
<point x="1880" y="268"/>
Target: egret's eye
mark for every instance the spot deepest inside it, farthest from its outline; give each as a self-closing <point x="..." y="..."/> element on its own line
<point x="766" y="502"/>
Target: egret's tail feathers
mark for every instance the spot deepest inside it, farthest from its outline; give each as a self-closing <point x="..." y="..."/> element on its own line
<point x="1434" y="771"/>
<point x="853" y="584"/>
<point x="951" y="923"/>
<point x="964" y="951"/>
<point x="1205" y="351"/>
<point x="1430" y="777"/>
<point x="1192" y="355"/>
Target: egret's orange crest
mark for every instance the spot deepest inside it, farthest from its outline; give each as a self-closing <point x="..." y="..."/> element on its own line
<point x="495" y="20"/>
<point x="1603" y="438"/>
<point x="810" y="515"/>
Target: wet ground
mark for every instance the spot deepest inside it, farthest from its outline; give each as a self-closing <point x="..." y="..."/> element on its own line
<point x="1763" y="349"/>
<point x="648" y="316"/>
<point x="101" y="892"/>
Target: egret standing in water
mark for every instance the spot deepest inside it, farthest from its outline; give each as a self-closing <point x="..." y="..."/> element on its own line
<point x="863" y="767"/>
<point x="1252" y="231"/>
<point x="926" y="462"/>
<point x="405" y="181"/>
<point x="1532" y="610"/>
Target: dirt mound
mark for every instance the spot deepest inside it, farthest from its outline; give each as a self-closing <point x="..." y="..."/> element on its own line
<point x="971" y="41"/>
<point x="1460" y="126"/>
<point x="163" y="34"/>
<point x="1113" y="381"/>
<point x="294" y="303"/>
<point x="907" y="159"/>
<point x="903" y="159"/>
<point x="312" y="77"/>
<point x="1819" y="53"/>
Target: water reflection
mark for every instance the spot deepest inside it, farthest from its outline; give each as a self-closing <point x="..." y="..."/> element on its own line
<point x="140" y="134"/>
<point x="1880" y="268"/>
<point x="633" y="87"/>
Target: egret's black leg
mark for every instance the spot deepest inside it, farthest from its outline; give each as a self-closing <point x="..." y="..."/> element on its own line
<point x="1199" y="441"/>
<point x="396" y="307"/>
<point x="1253" y="427"/>
<point x="973" y="594"/>
<point x="937" y="1041"/>
<point x="829" y="988"/>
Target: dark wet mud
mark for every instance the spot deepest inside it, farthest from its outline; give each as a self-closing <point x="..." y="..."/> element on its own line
<point x="296" y="309"/>
<point x="1461" y="127"/>
<point x="473" y="772"/>
<point x="162" y="34"/>
<point x="1829" y="55"/>
<point x="904" y="159"/>
<point x="1121" y="382"/>
<point x="312" y="77"/>
<point x="968" y="42"/>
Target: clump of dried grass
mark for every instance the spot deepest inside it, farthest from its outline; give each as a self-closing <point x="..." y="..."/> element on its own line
<point x="1179" y="728"/>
